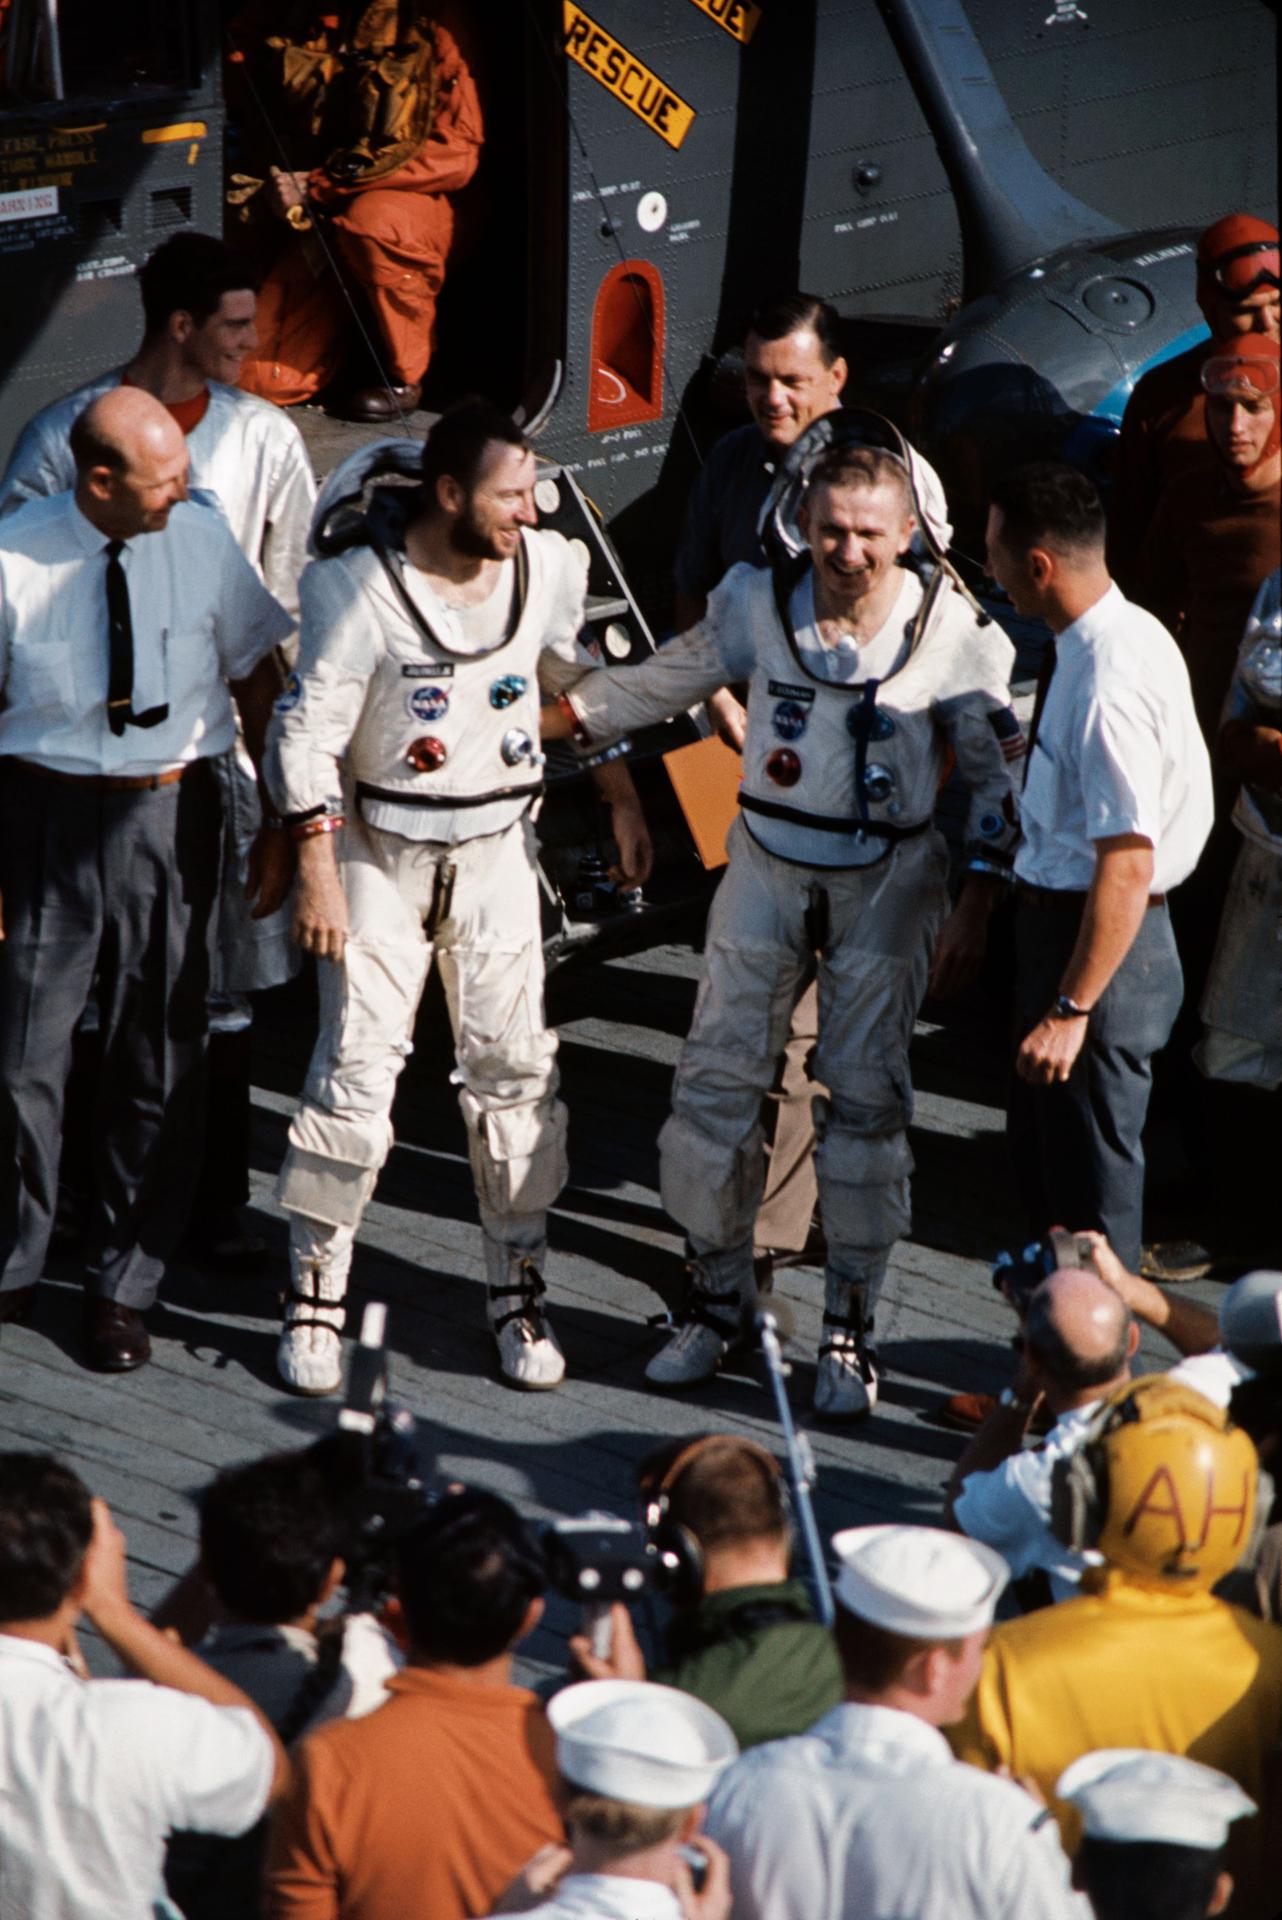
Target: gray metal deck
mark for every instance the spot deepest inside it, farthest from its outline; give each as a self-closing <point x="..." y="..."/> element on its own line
<point x="148" y="1441"/>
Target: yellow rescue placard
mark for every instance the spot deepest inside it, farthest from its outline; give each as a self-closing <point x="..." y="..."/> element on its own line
<point x="738" y="17"/>
<point x="623" y="75"/>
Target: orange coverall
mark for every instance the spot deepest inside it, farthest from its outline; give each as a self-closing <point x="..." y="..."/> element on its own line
<point x="392" y="241"/>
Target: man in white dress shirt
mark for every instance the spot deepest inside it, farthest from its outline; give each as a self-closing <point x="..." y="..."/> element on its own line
<point x="869" y="1813"/>
<point x="1116" y="810"/>
<point x="249" y="462"/>
<point x="637" y="1762"/>
<point x="97" y="1772"/>
<point x="129" y="621"/>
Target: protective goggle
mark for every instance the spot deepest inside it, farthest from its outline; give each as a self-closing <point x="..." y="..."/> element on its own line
<point x="1232" y="273"/>
<point x="1226" y="374"/>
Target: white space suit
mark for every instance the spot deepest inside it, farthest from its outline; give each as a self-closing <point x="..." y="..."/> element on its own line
<point x="439" y="775"/>
<point x="247" y="460"/>
<point x="834" y="857"/>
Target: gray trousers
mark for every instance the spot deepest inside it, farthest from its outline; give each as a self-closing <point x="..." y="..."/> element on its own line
<point x="1076" y="1146"/>
<point x="117" y="887"/>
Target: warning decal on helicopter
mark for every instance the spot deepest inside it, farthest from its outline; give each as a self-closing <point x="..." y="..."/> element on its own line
<point x="623" y="75"/>
<point x="738" y="17"/>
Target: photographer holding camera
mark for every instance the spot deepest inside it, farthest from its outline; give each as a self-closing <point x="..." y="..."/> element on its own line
<point x="271" y="1557"/>
<point x="1078" y="1340"/>
<point x="742" y="1637"/>
<point x="429" y="1805"/>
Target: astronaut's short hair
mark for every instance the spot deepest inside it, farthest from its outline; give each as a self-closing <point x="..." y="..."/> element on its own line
<point x="457" y="444"/>
<point x="865" y="467"/>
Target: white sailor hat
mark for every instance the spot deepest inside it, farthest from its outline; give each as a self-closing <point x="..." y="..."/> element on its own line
<point x="1251" y="1321"/>
<point x="633" y="1740"/>
<point x="919" y="1581"/>
<point x="1127" y="1793"/>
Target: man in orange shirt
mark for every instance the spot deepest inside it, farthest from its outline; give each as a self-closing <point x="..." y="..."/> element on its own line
<point x="1163" y="430"/>
<point x="430" y="1805"/>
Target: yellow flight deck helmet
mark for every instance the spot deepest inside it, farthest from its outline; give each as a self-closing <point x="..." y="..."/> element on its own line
<point x="1163" y="1486"/>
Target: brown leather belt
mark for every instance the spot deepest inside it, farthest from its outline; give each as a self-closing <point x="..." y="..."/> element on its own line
<point x="1065" y="897"/>
<point x="108" y="782"/>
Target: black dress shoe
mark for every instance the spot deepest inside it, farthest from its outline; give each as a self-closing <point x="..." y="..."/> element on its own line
<point x="16" y="1304"/>
<point x="115" y="1338"/>
<point x="379" y="403"/>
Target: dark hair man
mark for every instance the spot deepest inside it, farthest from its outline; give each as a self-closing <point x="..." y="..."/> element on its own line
<point x="1163" y="429"/>
<point x="1078" y="1343"/>
<point x="868" y="1812"/>
<point x="356" y="1839"/>
<point x="1115" y="812"/>
<point x="835" y="865"/>
<point x="247" y="459"/>
<point x="97" y="1772"/>
<point x="129" y="623"/>
<point x="420" y="669"/>
<point x="270" y="1558"/>
<point x="744" y="1641"/>
<point x="1154" y="1833"/>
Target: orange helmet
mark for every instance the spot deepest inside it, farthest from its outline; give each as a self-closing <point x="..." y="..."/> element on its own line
<point x="1163" y="1485"/>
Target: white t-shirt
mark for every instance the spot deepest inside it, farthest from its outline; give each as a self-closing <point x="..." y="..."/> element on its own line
<point x="97" y="1773"/>
<point x="1118" y="751"/>
<point x="609" y="1896"/>
<point x="200" y="617"/>
<point x="1009" y="1508"/>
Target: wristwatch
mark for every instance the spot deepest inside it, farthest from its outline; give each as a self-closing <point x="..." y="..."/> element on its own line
<point x="1062" y="1008"/>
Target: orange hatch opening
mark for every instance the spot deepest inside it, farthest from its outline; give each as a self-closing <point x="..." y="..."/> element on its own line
<point x="627" y="348"/>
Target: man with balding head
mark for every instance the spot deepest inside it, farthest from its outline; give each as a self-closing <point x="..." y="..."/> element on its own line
<point x="1078" y="1340"/>
<point x="129" y="621"/>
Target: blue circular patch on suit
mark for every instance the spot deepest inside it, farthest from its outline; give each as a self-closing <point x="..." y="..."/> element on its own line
<point x="428" y="703"/>
<point x="509" y="689"/>
<point x="289" y="696"/>
<point x="789" y="720"/>
<point x="990" y="825"/>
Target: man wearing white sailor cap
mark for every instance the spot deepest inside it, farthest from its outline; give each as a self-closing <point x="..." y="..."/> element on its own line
<point x="637" y="1762"/>
<point x="869" y="1813"/>
<point x="1155" y="1828"/>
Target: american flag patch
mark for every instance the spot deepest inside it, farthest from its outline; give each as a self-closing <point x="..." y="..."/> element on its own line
<point x="1005" y="724"/>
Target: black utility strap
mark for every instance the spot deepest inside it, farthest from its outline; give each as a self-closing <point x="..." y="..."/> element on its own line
<point x="402" y="797"/>
<point x="829" y="823"/>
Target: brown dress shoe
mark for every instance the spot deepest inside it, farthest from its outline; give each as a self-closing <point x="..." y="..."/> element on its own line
<point x="115" y="1338"/>
<point x="380" y="403"/>
<point x="16" y="1304"/>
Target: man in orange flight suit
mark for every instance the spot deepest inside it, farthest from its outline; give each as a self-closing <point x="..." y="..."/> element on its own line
<point x="379" y="100"/>
<point x="1164" y="429"/>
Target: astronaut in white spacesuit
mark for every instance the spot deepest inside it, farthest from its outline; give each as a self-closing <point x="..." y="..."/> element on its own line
<point x="424" y="647"/>
<point x="860" y="681"/>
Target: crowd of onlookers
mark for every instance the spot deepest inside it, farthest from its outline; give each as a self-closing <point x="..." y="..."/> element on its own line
<point x="1065" y="1698"/>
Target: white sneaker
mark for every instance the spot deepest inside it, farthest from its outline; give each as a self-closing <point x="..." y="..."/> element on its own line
<point x="529" y="1352"/>
<point x="309" y="1358"/>
<point x="846" y="1382"/>
<point x="694" y="1353"/>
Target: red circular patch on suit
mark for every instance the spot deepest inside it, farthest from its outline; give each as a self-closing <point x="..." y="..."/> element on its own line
<point x="784" y="767"/>
<point x="426" y="755"/>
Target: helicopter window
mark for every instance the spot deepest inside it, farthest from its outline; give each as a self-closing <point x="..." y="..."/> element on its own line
<point x="627" y="347"/>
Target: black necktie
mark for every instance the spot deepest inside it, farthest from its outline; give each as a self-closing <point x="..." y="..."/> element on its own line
<point x="120" y="656"/>
<point x="1045" y="674"/>
<point x="120" y="636"/>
